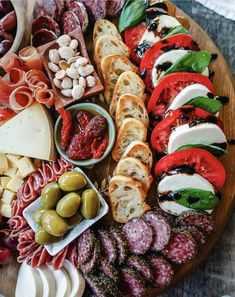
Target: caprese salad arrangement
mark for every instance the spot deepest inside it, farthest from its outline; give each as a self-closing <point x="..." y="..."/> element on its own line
<point x="158" y="91"/>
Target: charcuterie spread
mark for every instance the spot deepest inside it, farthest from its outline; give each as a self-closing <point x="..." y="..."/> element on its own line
<point x="151" y="113"/>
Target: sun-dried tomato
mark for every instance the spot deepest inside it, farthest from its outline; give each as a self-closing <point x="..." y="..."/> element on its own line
<point x="96" y="128"/>
<point x="98" y="147"/>
<point x="79" y="148"/>
<point x="67" y="127"/>
<point x="83" y="118"/>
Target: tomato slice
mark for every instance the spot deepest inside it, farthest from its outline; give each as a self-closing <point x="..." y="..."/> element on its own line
<point x="203" y="162"/>
<point x="183" y="115"/>
<point x="180" y="41"/>
<point x="132" y="39"/>
<point x="170" y="86"/>
<point x="6" y="114"/>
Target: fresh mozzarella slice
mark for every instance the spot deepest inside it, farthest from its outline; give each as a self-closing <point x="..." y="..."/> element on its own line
<point x="29" y="282"/>
<point x="63" y="284"/>
<point x="76" y="278"/>
<point x="187" y="94"/>
<point x="205" y="133"/>
<point x="48" y="281"/>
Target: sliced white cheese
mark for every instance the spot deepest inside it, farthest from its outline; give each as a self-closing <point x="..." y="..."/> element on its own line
<point x="187" y="94"/>
<point x="28" y="282"/>
<point x="76" y="278"/>
<point x="29" y="133"/>
<point x="48" y="281"/>
<point x="63" y="284"/>
<point x="205" y="133"/>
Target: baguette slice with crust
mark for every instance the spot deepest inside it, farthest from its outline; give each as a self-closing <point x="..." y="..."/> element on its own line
<point x="130" y="130"/>
<point x="127" y="198"/>
<point x="112" y="67"/>
<point x="105" y="27"/>
<point x="141" y="151"/>
<point x="131" y="106"/>
<point x="128" y="82"/>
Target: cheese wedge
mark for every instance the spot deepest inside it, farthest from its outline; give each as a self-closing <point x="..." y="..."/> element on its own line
<point x="29" y="133"/>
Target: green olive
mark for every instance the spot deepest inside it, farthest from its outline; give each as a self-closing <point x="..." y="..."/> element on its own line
<point x="53" y="223"/>
<point x="51" y="194"/>
<point x="68" y="205"/>
<point x="72" y="181"/>
<point x="75" y="219"/>
<point x="43" y="237"/>
<point x="37" y="215"/>
<point x="90" y="204"/>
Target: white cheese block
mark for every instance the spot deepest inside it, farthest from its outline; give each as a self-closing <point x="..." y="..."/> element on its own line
<point x="15" y="183"/>
<point x="8" y="196"/>
<point x="76" y="278"/>
<point x="28" y="282"/>
<point x="5" y="209"/>
<point x="188" y="93"/>
<point x="10" y="171"/>
<point x="13" y="159"/>
<point x="3" y="163"/>
<point x="48" y="281"/>
<point x="29" y="133"/>
<point x="63" y="284"/>
<point x="4" y="181"/>
<point x="25" y="166"/>
<point x="205" y="133"/>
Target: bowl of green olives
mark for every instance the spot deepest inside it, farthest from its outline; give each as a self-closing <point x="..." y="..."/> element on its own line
<point x="64" y="210"/>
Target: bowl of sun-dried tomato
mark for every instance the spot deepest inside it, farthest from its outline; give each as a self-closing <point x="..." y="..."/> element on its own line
<point x="84" y="134"/>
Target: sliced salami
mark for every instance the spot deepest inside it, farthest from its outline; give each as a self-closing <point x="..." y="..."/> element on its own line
<point x="139" y="236"/>
<point x="89" y="265"/>
<point x="142" y="266"/>
<point x="161" y="228"/>
<point x="170" y="218"/>
<point x="131" y="283"/>
<point x="198" y="236"/>
<point x="181" y="246"/>
<point x="113" y="7"/>
<point x="80" y="11"/>
<point x="109" y="270"/>
<point x="59" y="9"/>
<point x="70" y="22"/>
<point x="110" y="285"/>
<point x="121" y="245"/>
<point x="96" y="9"/>
<point x="45" y="7"/>
<point x="108" y="245"/>
<point x="45" y="22"/>
<point x="162" y="271"/>
<point x="86" y="244"/>
<point x="96" y="285"/>
<point x="199" y="219"/>
<point x="43" y="36"/>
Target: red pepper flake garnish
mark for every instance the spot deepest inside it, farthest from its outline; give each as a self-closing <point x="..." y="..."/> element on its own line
<point x="67" y="127"/>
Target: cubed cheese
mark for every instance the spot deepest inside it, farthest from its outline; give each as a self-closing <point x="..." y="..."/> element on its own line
<point x="10" y="171"/>
<point x="3" y="163"/>
<point x="25" y="166"/>
<point x="14" y="184"/>
<point x="5" y="210"/>
<point x="19" y="174"/>
<point x="4" y="181"/>
<point x="13" y="159"/>
<point x="8" y="196"/>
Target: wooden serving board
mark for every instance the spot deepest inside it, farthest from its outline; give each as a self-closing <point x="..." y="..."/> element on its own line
<point x="224" y="85"/>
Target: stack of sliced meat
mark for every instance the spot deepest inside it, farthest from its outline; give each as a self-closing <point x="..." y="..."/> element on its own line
<point x="123" y="260"/>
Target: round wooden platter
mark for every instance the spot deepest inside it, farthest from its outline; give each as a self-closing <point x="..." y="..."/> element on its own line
<point x="224" y="85"/>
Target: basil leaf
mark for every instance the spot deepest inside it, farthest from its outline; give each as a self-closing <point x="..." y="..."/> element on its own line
<point x="190" y="62"/>
<point x="197" y="199"/>
<point x="177" y="30"/>
<point x="210" y="105"/>
<point x="132" y="14"/>
<point x="215" y="150"/>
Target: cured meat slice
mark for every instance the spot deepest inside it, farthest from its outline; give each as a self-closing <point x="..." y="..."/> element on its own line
<point x="58" y="260"/>
<point x="9" y="21"/>
<point x="96" y="285"/>
<point x="108" y="245"/>
<point x="199" y="219"/>
<point x="162" y="271"/>
<point x="131" y="282"/>
<point x="80" y="11"/>
<point x="45" y="7"/>
<point x="70" y="22"/>
<point x="198" y="235"/>
<point x="139" y="235"/>
<point x="109" y="270"/>
<point x="72" y="254"/>
<point x="21" y="98"/>
<point x="43" y="36"/>
<point x="17" y="222"/>
<point x="10" y="61"/>
<point x="121" y="245"/>
<point x="45" y="96"/>
<point x="89" y="265"/>
<point x="34" y="77"/>
<point x="59" y="9"/>
<point x="113" y="7"/>
<point x="181" y="246"/>
<point x="45" y="22"/>
<point x="96" y="9"/>
<point x="170" y="218"/>
<point x="161" y="228"/>
<point x="142" y="266"/>
<point x="86" y="243"/>
<point x="110" y="285"/>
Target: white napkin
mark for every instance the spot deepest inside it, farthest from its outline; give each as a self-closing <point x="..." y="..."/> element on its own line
<point x="225" y="8"/>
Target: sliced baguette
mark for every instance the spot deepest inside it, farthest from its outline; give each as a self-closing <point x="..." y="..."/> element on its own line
<point x="128" y="82"/>
<point x="141" y="151"/>
<point x="131" y="106"/>
<point x="134" y="168"/>
<point x="127" y="198"/>
<point x="105" y="27"/>
<point x="112" y="67"/>
<point x="130" y="130"/>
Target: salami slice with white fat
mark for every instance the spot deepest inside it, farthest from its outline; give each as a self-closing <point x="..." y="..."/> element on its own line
<point x="121" y="245"/>
<point x="170" y="218"/>
<point x="85" y="247"/>
<point x="80" y="11"/>
<point x="45" y="22"/>
<point x="131" y="283"/>
<point x="96" y="9"/>
<point x="139" y="236"/>
<point x="108" y="245"/>
<point x="181" y="246"/>
<point x="161" y="228"/>
<point x="199" y="219"/>
<point x="70" y="22"/>
<point x="45" y="7"/>
<point x="162" y="271"/>
<point x="138" y="263"/>
<point x="197" y="235"/>
<point x="113" y="7"/>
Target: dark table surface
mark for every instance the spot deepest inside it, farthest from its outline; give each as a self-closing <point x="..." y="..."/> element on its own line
<point x="215" y="277"/>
